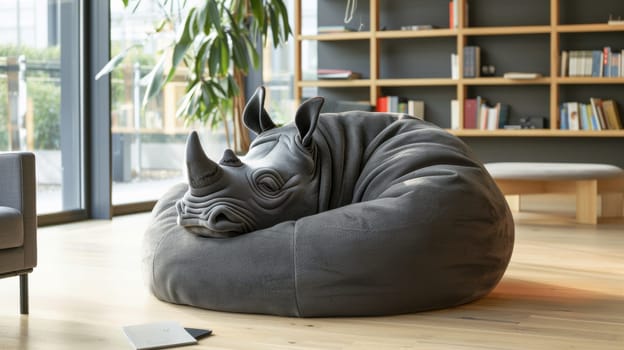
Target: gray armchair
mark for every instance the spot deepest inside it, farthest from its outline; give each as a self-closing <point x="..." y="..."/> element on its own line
<point x="18" y="219"/>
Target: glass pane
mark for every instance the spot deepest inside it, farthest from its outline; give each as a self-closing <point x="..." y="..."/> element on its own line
<point x="147" y="143"/>
<point x="40" y="95"/>
<point x="278" y="68"/>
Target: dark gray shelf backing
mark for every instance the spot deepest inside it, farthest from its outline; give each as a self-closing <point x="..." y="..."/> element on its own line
<point x="524" y="100"/>
<point x="353" y="55"/>
<point x="395" y="13"/>
<point x="437" y="101"/>
<point x="582" y="93"/>
<point x="345" y="94"/>
<point x="416" y="58"/>
<point x="332" y="13"/>
<point x="496" y="13"/>
<point x="585" y="12"/>
<point x="515" y="53"/>
<point x="591" y="41"/>
<point x="542" y="149"/>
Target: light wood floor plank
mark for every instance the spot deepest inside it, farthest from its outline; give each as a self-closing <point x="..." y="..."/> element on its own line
<point x="564" y="289"/>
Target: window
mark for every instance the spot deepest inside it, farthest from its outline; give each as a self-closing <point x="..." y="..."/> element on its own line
<point x="278" y="66"/>
<point x="40" y="96"/>
<point x="147" y="143"/>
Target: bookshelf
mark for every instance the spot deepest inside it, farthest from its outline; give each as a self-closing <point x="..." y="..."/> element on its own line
<point x="522" y="36"/>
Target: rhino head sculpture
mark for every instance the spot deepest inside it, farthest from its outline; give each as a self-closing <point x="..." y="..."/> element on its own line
<point x="276" y="180"/>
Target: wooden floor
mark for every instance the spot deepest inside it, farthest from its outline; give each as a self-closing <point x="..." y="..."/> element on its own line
<point x="564" y="289"/>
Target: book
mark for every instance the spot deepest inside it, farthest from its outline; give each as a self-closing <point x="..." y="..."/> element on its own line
<point x="573" y="116"/>
<point x="418" y="27"/>
<point x="614" y="70"/>
<point x="503" y="115"/>
<point x="587" y="63"/>
<point x="593" y="119"/>
<point x="472" y="61"/>
<point x="470" y="113"/>
<point x="416" y="108"/>
<point x="563" y="117"/>
<point x="612" y="115"/>
<point x="606" y="59"/>
<point x="521" y="75"/>
<point x="454" y="66"/>
<point x="583" y="117"/>
<point x="483" y="117"/>
<point x="564" y="64"/>
<point x="492" y="117"/>
<point x="452" y="12"/>
<point x="335" y="29"/>
<point x="345" y="74"/>
<point x="596" y="104"/>
<point x="596" y="63"/>
<point x="158" y="335"/>
<point x="382" y="104"/>
<point x="573" y="69"/>
<point x="454" y="114"/>
<point x="393" y="104"/>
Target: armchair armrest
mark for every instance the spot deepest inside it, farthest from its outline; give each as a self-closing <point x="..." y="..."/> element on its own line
<point x="18" y="191"/>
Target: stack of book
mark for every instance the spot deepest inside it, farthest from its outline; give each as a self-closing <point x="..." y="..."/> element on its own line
<point x="396" y="104"/>
<point x="472" y="61"/>
<point x="592" y="63"/>
<point x="479" y="115"/>
<point x="337" y="74"/>
<point x="598" y="114"/>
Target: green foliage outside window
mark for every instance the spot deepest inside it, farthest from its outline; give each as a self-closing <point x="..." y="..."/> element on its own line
<point x="43" y="89"/>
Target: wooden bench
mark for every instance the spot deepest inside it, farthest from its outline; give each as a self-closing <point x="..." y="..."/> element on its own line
<point x="586" y="180"/>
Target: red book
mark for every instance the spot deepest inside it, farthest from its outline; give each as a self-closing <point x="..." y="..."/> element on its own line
<point x="382" y="104"/>
<point x="470" y="113"/>
<point x="451" y="15"/>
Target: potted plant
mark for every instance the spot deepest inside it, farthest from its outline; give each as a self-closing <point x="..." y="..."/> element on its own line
<point x="216" y="43"/>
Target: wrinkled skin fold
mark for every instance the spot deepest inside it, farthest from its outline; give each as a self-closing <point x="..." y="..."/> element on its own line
<point x="276" y="180"/>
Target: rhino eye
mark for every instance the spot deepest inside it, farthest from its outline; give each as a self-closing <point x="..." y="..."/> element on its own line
<point x="269" y="183"/>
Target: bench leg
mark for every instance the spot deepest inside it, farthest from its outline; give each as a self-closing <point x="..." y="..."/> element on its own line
<point x="612" y="204"/>
<point x="587" y="201"/>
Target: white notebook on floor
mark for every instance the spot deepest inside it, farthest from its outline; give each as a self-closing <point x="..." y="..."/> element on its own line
<point x="158" y="335"/>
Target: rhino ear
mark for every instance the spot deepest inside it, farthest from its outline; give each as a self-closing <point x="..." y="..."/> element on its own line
<point x="307" y="118"/>
<point x="255" y="116"/>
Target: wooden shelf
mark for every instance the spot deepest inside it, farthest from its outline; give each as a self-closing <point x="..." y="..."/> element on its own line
<point x="336" y="36"/>
<point x="582" y="28"/>
<point x="401" y="34"/>
<point x="507" y="30"/>
<point x="503" y="81"/>
<point x="334" y="83"/>
<point x="417" y="82"/>
<point x="589" y="80"/>
<point x="536" y="133"/>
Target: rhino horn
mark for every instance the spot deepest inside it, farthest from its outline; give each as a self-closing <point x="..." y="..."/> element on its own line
<point x="201" y="170"/>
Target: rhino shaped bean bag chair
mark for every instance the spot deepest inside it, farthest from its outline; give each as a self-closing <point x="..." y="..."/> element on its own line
<point x="347" y="214"/>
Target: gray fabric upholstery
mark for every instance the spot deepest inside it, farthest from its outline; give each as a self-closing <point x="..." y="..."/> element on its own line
<point x="17" y="192"/>
<point x="12" y="231"/>
<point x="404" y="219"/>
<point x="552" y="171"/>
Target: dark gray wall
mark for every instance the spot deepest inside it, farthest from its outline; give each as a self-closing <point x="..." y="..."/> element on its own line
<point x="549" y="149"/>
